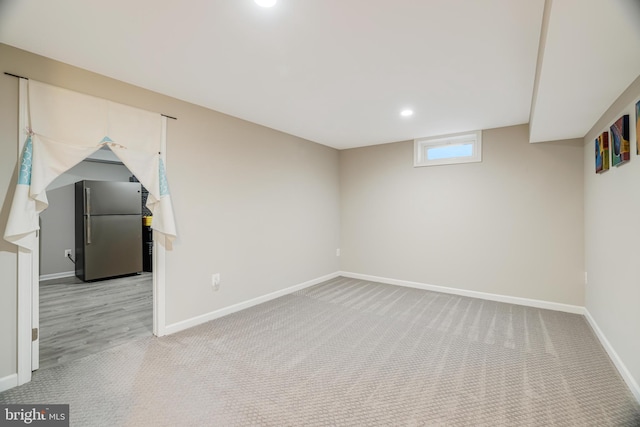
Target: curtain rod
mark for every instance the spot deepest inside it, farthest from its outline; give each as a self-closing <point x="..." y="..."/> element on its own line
<point x="26" y="78"/>
<point x="15" y="75"/>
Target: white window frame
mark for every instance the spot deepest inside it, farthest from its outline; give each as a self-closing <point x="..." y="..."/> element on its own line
<point x="420" y="147"/>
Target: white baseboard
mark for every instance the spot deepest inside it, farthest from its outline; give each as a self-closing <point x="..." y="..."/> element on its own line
<point x="8" y="382"/>
<point x="194" y="321"/>
<point x="473" y="294"/>
<point x="57" y="275"/>
<point x="624" y="372"/>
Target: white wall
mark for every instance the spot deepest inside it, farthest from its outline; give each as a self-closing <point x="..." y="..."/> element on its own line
<point x="612" y="240"/>
<point x="91" y="170"/>
<point x="510" y="225"/>
<point x="258" y="206"/>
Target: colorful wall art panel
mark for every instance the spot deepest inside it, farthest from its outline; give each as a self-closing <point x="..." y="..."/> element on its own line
<point x="620" y="141"/>
<point x="602" y="152"/>
<point x="638" y="128"/>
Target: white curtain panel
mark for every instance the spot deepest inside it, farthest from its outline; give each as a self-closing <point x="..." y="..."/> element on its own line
<point x="64" y="127"/>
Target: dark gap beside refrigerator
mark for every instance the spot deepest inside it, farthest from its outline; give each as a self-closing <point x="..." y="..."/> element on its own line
<point x="147" y="232"/>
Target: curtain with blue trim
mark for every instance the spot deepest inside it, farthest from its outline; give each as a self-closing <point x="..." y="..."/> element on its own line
<point x="64" y="127"/>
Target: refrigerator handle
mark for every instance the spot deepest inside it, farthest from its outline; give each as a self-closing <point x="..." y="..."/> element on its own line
<point x="87" y="214"/>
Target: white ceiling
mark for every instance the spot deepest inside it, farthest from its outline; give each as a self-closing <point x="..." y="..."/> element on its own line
<point x="338" y="72"/>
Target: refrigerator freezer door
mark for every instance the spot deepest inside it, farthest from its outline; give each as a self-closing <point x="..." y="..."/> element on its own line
<point x="112" y="198"/>
<point x="115" y="248"/>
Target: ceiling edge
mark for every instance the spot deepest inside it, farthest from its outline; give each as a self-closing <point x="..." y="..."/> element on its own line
<point x="546" y="14"/>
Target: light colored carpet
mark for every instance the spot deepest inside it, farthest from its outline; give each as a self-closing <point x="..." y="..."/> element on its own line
<point x="348" y="352"/>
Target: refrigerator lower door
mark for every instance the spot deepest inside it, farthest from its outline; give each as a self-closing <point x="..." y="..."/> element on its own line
<point x="115" y="248"/>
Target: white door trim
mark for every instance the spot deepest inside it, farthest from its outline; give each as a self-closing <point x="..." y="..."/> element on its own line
<point x="25" y="283"/>
<point x="28" y="272"/>
<point x="159" y="322"/>
<point x="159" y="255"/>
<point x="25" y="264"/>
<point x="35" y="305"/>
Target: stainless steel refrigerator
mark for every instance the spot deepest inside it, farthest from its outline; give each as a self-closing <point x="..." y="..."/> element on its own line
<point x="108" y="229"/>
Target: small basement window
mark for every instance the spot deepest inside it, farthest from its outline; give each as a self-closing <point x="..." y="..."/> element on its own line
<point x="447" y="150"/>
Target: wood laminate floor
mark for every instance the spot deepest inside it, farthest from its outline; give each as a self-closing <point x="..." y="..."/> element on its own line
<point x="78" y="318"/>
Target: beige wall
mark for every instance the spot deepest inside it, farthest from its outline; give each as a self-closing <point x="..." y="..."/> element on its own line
<point x="267" y="210"/>
<point x="258" y="206"/>
<point x="612" y="240"/>
<point x="510" y="225"/>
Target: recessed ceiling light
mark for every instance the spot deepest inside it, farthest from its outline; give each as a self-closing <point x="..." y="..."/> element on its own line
<point x="266" y="3"/>
<point x="406" y="113"/>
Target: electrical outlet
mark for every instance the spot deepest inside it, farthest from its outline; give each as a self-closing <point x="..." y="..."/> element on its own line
<point x="338" y="252"/>
<point x="215" y="281"/>
<point x="67" y="253"/>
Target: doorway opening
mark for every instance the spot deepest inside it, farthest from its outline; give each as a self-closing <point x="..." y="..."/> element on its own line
<point x="28" y="259"/>
<point x="111" y="303"/>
